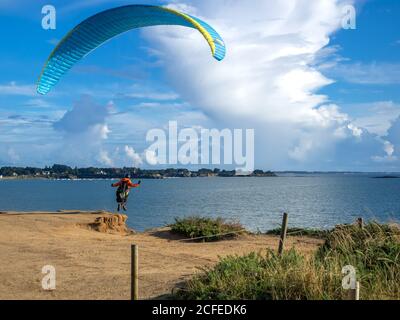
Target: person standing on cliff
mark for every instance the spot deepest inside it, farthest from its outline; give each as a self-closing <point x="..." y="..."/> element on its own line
<point x="122" y="193"/>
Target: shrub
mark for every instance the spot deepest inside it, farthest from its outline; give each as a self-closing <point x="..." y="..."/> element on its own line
<point x="373" y="251"/>
<point x="209" y="228"/>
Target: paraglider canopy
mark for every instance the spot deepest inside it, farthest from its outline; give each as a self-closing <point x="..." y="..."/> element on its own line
<point x="98" y="29"/>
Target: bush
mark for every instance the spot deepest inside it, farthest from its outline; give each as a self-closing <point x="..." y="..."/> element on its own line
<point x="209" y="228"/>
<point x="374" y="252"/>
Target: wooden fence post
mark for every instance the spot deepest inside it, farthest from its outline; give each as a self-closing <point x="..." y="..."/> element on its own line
<point x="134" y="272"/>
<point x="354" y="294"/>
<point x="283" y="233"/>
<point x="360" y="222"/>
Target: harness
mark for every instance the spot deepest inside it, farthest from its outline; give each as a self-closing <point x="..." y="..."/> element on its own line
<point x="123" y="190"/>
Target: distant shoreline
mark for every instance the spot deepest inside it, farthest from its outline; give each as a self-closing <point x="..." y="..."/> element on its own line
<point x="275" y="175"/>
<point x="64" y="172"/>
<point x="387" y="177"/>
<point x="133" y="178"/>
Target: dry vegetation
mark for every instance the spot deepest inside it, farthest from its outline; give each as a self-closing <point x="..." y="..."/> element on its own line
<point x="374" y="251"/>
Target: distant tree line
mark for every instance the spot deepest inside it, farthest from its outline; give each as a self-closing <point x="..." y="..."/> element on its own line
<point x="58" y="171"/>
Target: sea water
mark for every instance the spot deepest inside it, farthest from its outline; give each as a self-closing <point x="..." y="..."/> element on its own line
<point x="313" y="201"/>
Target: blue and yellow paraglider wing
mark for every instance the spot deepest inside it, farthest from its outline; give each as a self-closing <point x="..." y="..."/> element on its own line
<point x="98" y="29"/>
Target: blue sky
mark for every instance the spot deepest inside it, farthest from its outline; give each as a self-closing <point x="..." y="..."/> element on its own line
<point x="319" y="97"/>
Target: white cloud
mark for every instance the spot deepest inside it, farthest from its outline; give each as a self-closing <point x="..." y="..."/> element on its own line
<point x="134" y="158"/>
<point x="299" y="153"/>
<point x="38" y="103"/>
<point x="376" y="117"/>
<point x="357" y="132"/>
<point x="101" y="130"/>
<point x="392" y="142"/>
<point x="153" y="96"/>
<point x="14" y="89"/>
<point x="85" y="115"/>
<point x="105" y="158"/>
<point x="269" y="78"/>
<point x="84" y="131"/>
<point x="389" y="157"/>
<point x="389" y="149"/>
<point x="375" y="73"/>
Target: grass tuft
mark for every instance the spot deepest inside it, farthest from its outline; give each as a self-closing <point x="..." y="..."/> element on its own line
<point x="209" y="228"/>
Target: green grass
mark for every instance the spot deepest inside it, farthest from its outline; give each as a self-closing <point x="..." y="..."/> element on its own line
<point x="373" y="251"/>
<point x="209" y="228"/>
<point x="301" y="232"/>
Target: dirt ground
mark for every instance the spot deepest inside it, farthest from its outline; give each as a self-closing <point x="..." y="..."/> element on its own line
<point x="94" y="265"/>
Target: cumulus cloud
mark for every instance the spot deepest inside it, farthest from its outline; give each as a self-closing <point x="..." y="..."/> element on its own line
<point x="270" y="78"/>
<point x="266" y="72"/>
<point x="389" y="149"/>
<point x="134" y="158"/>
<point x="85" y="115"/>
<point x="104" y="158"/>
<point x="85" y="131"/>
<point x="376" y="117"/>
<point x="391" y="144"/>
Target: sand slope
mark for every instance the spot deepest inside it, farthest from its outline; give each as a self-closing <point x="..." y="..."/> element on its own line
<point x="94" y="265"/>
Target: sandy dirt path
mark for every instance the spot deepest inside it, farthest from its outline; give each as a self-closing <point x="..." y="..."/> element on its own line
<point x="94" y="265"/>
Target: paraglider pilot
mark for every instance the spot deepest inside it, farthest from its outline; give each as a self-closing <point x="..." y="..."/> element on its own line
<point x="122" y="193"/>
